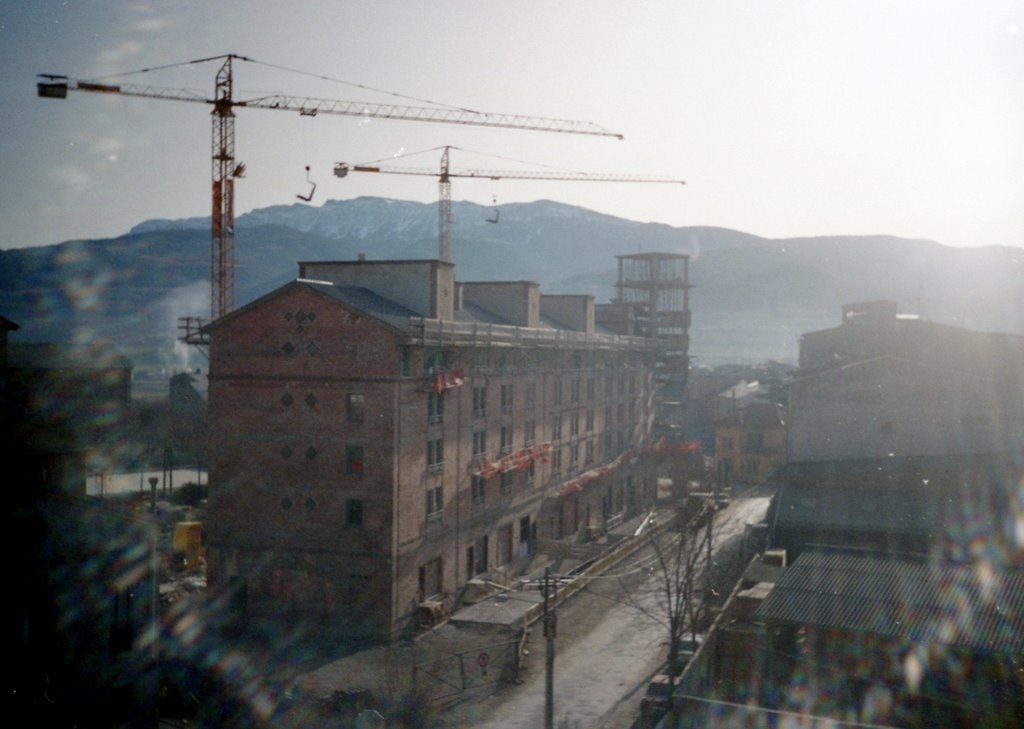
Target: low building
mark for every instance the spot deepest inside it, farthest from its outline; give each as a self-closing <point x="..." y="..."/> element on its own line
<point x="750" y="444"/>
<point x="852" y="638"/>
<point x="383" y="435"/>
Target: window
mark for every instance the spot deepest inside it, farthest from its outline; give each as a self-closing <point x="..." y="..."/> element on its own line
<point x="480" y="401"/>
<point x="435" y="454"/>
<point x="589" y="454"/>
<point x="622" y="384"/>
<point x="609" y="383"/>
<point x="531" y="395"/>
<point x="506" y="440"/>
<point x="353" y="512"/>
<point x="632" y="384"/>
<point x="506" y="399"/>
<point x="632" y="411"/>
<point x="480" y="444"/>
<point x="435" y="502"/>
<point x="505" y="484"/>
<point x="556" y="460"/>
<point x="354" y="407"/>
<point x="556" y="395"/>
<point x="479" y="486"/>
<point x="590" y="421"/>
<point x="353" y="459"/>
<point x="590" y="388"/>
<point x="405" y="361"/>
<point x="574" y="424"/>
<point x="529" y="433"/>
<point x="531" y="475"/>
<point x="435" y="360"/>
<point x="574" y="456"/>
<point x="622" y="413"/>
<point x="480" y="554"/>
<point x="431" y="578"/>
<point x="556" y="427"/>
<point x="505" y="544"/>
<point x="435" y="407"/>
<point x="607" y="445"/>
<point x="575" y="390"/>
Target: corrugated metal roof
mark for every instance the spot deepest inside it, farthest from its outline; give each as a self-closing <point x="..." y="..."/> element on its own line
<point x="977" y="606"/>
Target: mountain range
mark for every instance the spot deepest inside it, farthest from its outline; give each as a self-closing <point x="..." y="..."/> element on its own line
<point x="752" y="299"/>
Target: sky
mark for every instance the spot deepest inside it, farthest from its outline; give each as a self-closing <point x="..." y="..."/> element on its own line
<point x="785" y="117"/>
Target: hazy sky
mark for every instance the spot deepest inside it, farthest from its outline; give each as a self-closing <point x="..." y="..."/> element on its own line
<point x="786" y="117"/>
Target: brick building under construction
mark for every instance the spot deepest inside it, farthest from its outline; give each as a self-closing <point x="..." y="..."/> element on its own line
<point x="382" y="434"/>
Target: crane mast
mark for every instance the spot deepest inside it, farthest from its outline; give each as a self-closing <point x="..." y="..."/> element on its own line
<point x="225" y="169"/>
<point x="222" y="218"/>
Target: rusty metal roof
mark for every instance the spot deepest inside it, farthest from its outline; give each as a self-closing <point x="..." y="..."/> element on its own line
<point x="978" y="606"/>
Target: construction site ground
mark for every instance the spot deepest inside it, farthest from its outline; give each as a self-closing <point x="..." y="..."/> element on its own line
<point x="609" y="643"/>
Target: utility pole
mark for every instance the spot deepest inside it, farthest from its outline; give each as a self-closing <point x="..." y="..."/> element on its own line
<point x="550" y="623"/>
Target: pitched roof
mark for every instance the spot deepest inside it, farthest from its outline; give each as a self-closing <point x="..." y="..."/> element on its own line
<point x="913" y="598"/>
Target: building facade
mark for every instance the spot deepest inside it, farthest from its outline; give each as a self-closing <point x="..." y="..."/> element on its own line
<point x="749" y="444"/>
<point x="382" y="435"/>
<point x="880" y="385"/>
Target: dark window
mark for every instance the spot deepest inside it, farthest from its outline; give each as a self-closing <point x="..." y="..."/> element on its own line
<point x="354" y="407"/>
<point x="480" y="444"/>
<point x="435" y="407"/>
<point x="556" y="427"/>
<point x="505" y="484"/>
<point x="435" y="454"/>
<point x="506" y="399"/>
<point x="531" y="395"/>
<point x="479" y="485"/>
<point x="505" y="544"/>
<point x="353" y="512"/>
<point x="405" y="361"/>
<point x="353" y="459"/>
<point x="590" y="388"/>
<point x="480" y="401"/>
<point x="529" y="433"/>
<point x="506" y="440"/>
<point x="435" y="501"/>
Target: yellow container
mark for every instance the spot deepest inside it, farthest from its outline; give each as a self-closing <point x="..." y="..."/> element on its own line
<point x="190" y="539"/>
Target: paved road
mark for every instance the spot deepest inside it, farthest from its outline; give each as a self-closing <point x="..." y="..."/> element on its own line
<point x="603" y="663"/>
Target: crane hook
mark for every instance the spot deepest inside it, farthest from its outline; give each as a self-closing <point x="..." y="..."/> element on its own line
<point x="307" y="198"/>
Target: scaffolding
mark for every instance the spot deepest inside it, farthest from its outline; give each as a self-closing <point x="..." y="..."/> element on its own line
<point x="655" y="289"/>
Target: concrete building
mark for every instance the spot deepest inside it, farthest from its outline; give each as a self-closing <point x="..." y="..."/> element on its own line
<point x="383" y="436"/>
<point x="881" y="386"/>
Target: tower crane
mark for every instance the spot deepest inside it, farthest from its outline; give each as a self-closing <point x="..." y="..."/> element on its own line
<point x="225" y="168"/>
<point x="445" y="173"/>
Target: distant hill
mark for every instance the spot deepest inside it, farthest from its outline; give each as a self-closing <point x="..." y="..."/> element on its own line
<point x="753" y="296"/>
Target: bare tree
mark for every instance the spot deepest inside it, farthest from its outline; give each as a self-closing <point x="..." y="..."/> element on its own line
<point x="681" y="553"/>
